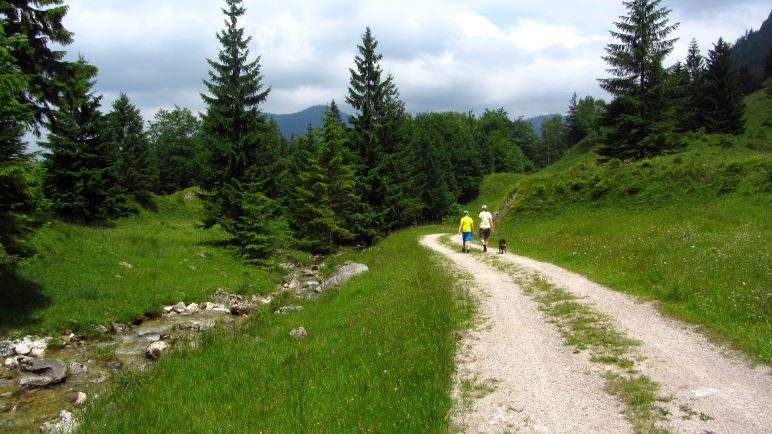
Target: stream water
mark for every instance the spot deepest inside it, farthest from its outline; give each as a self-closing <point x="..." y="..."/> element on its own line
<point x="91" y="365"/>
<point x="24" y="409"/>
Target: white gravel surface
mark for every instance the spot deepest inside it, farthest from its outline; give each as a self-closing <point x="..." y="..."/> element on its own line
<point x="540" y="386"/>
<point x="543" y="387"/>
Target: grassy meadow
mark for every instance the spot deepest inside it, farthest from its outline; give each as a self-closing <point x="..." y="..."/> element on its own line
<point x="378" y="358"/>
<point x="77" y="281"/>
<point x="690" y="229"/>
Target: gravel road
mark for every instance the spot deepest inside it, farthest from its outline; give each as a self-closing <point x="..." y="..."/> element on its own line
<point x="539" y="385"/>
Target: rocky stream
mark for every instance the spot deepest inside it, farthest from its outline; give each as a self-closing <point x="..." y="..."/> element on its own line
<point x="44" y="380"/>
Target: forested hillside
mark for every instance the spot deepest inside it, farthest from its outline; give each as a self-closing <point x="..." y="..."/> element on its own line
<point x="352" y="179"/>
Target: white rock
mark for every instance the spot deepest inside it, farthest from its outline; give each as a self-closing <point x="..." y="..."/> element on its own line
<point x="179" y="307"/>
<point x="299" y="332"/>
<point x="192" y="308"/>
<point x="22" y="348"/>
<point x="11" y="363"/>
<point x="79" y="399"/>
<point x="168" y="309"/>
<point x="64" y="425"/>
<point x="125" y="264"/>
<point x="157" y="348"/>
<point x="37" y="352"/>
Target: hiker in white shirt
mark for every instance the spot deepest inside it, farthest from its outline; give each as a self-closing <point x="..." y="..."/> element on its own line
<point x="486" y="226"/>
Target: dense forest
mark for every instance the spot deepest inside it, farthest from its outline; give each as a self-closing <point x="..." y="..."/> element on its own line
<point x="350" y="181"/>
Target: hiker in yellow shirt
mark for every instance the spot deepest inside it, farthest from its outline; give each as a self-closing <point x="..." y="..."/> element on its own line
<point x="465" y="229"/>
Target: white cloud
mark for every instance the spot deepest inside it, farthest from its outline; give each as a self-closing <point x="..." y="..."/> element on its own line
<point x="525" y="56"/>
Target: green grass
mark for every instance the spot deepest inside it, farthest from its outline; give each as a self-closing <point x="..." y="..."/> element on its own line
<point x="378" y="358"/>
<point x="709" y="264"/>
<point x="76" y="280"/>
<point x="690" y="229"/>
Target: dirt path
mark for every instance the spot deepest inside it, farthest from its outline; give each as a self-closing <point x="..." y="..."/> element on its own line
<point x="539" y="385"/>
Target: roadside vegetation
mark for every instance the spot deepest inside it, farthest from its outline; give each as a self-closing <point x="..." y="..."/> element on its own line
<point x="690" y="228"/>
<point x="378" y="357"/>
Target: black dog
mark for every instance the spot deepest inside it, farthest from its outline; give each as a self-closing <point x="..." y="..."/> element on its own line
<point x="502" y="246"/>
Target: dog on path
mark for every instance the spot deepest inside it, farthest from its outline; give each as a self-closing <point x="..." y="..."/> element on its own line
<point x="502" y="246"/>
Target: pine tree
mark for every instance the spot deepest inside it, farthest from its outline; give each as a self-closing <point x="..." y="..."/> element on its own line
<point x="724" y="110"/>
<point x="692" y="110"/>
<point x="20" y="198"/>
<point x="81" y="180"/>
<point x="325" y="197"/>
<point x="175" y="139"/>
<point x="637" y="120"/>
<point x="380" y="145"/>
<point x="239" y="143"/>
<point x="39" y="23"/>
<point x="137" y="168"/>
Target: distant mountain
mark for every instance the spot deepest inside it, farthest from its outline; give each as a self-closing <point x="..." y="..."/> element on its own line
<point x="296" y="124"/>
<point x="752" y="48"/>
<point x="537" y="121"/>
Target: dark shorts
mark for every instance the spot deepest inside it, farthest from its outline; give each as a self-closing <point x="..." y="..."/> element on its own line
<point x="467" y="236"/>
<point x="485" y="233"/>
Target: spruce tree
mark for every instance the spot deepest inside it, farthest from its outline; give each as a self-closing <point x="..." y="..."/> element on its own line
<point x="380" y="145"/>
<point x="724" y="104"/>
<point x="20" y="198"/>
<point x="638" y="118"/>
<point x="81" y="178"/>
<point x="137" y="168"/>
<point x="325" y="197"/>
<point x="39" y="23"/>
<point x="239" y="143"/>
<point x="693" y="108"/>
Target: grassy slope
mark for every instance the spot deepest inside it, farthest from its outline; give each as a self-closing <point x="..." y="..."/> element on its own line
<point x="690" y="229"/>
<point x="378" y="358"/>
<point x="76" y="280"/>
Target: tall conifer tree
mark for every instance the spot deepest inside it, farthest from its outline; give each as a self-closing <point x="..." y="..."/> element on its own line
<point x="325" y="197"/>
<point x="380" y="144"/>
<point x="82" y="178"/>
<point x="137" y="168"/>
<point x="20" y="199"/>
<point x="39" y="23"/>
<point x="724" y="104"/>
<point x="638" y="118"/>
<point x="239" y="142"/>
<point x="693" y="109"/>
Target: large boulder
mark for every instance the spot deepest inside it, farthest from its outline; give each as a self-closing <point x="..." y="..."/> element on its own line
<point x="46" y="372"/>
<point x="343" y="273"/>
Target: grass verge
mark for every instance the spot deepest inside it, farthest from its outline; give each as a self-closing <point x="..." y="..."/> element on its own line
<point x="379" y="357"/>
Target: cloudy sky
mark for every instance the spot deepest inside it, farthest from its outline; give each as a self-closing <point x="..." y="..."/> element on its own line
<point x="525" y="56"/>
